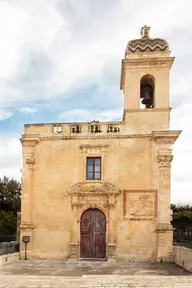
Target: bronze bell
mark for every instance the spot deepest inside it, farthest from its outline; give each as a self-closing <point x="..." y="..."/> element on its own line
<point x="147" y="95"/>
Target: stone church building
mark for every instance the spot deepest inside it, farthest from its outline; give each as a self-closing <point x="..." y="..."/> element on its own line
<point x="101" y="190"/>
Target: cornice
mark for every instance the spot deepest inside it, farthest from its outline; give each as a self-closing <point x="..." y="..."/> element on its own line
<point x="170" y="135"/>
<point x="29" y="141"/>
<point x="165" y="137"/>
<point x="147" y="110"/>
<point x="163" y="62"/>
<point x="92" y="137"/>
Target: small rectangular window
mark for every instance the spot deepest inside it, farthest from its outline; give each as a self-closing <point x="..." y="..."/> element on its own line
<point x="93" y="168"/>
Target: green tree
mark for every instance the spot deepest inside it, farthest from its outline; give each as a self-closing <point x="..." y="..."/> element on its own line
<point x="10" y="191"/>
<point x="182" y="212"/>
<point x="8" y="222"/>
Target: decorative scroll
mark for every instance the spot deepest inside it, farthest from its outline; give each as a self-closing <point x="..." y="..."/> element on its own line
<point x="140" y="204"/>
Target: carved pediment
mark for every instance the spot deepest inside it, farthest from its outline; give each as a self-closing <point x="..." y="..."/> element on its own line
<point x="86" y="188"/>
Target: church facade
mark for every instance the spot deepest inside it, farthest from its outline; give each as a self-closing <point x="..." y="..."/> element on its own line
<point x="101" y="190"/>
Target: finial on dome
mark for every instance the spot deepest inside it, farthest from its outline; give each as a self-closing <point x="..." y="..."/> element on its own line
<point x="145" y="31"/>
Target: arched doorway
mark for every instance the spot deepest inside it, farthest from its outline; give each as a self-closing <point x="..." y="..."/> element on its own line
<point x="93" y="234"/>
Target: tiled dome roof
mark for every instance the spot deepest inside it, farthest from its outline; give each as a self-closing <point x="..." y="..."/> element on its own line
<point x="145" y="43"/>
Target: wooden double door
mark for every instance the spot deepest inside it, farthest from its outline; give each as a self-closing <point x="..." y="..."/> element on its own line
<point x="93" y="234"/>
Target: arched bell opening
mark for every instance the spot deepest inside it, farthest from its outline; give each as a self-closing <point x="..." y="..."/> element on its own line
<point x="147" y="88"/>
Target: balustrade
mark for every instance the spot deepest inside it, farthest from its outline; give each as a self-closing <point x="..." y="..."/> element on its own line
<point x="91" y="128"/>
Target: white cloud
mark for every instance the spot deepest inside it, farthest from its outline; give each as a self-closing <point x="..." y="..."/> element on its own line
<point x="10" y="155"/>
<point x="27" y="110"/>
<point x="90" y="115"/>
<point x="5" y="114"/>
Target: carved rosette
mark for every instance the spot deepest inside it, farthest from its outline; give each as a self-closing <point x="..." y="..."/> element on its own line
<point x="164" y="160"/>
<point x="30" y="161"/>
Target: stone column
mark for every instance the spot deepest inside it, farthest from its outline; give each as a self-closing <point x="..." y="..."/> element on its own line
<point x="164" y="228"/>
<point x="111" y="247"/>
<point x="26" y="226"/>
<point x="74" y="245"/>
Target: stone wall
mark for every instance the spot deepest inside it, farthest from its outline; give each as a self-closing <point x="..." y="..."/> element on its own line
<point x="183" y="257"/>
<point x="9" y="247"/>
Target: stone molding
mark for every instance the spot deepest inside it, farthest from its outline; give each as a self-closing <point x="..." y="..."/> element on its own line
<point x="88" y="148"/>
<point x="164" y="227"/>
<point x="148" y="110"/>
<point x="26" y="226"/>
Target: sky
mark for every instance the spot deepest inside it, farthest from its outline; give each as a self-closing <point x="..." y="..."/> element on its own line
<point x="60" y="61"/>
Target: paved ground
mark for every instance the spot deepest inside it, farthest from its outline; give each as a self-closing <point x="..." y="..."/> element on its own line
<point x="92" y="274"/>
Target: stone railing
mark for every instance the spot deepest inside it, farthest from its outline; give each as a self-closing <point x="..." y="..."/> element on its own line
<point x="76" y="129"/>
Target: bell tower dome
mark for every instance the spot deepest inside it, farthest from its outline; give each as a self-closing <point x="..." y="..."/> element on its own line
<point x="145" y="77"/>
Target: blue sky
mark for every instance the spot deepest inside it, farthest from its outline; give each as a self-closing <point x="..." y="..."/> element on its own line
<point x="60" y="61"/>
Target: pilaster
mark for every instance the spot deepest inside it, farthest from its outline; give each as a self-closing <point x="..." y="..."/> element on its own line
<point x="27" y="226"/>
<point x="163" y="141"/>
<point x="111" y="247"/>
<point x="164" y="228"/>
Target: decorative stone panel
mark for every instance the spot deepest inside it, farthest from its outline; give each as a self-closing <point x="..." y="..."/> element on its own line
<point x="140" y="205"/>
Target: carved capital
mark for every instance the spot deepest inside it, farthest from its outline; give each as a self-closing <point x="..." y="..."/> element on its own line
<point x="111" y="205"/>
<point x="76" y="205"/>
<point x="30" y="162"/>
<point x="164" y="160"/>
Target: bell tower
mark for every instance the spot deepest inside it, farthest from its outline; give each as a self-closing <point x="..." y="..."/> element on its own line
<point x="145" y="83"/>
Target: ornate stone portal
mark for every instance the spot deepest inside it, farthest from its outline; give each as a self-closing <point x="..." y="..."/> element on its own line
<point x="93" y="195"/>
